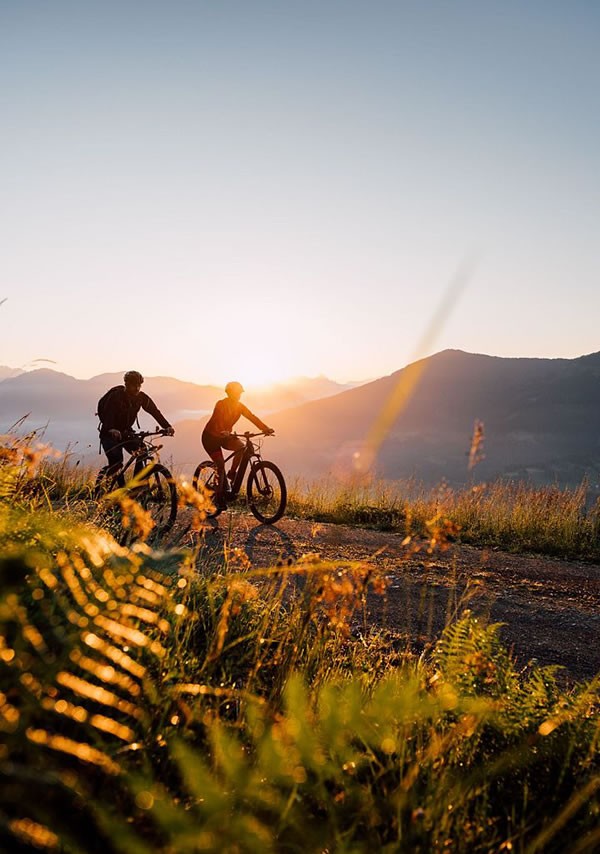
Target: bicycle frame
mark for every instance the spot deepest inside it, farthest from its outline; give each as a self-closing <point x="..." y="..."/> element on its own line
<point x="151" y="483"/>
<point x="251" y="450"/>
<point x="266" y="491"/>
<point x="147" y="452"/>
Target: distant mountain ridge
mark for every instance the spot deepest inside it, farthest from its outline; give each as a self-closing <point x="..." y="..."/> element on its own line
<point x="6" y="372"/>
<point x="541" y="418"/>
<point x="45" y="385"/>
<point x="65" y="406"/>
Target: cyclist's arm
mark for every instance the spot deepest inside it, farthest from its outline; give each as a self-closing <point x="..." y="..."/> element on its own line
<point x="152" y="409"/>
<point x="254" y="419"/>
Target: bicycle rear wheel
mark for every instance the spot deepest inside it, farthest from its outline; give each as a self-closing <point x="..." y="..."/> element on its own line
<point x="206" y="482"/>
<point x="266" y="492"/>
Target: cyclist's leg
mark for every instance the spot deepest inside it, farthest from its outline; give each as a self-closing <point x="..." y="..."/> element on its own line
<point x="212" y="446"/>
<point x="132" y="444"/>
<point x="114" y="454"/>
<point x="234" y="444"/>
<point x="217" y="457"/>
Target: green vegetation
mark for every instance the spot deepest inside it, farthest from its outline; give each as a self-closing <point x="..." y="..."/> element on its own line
<point x="183" y="701"/>
<point x="509" y="515"/>
<point x="512" y="516"/>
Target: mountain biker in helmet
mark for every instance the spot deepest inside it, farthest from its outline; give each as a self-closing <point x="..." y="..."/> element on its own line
<point x="217" y="432"/>
<point x="118" y="410"/>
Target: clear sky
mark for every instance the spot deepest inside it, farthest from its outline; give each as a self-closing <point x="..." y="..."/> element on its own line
<point x="265" y="188"/>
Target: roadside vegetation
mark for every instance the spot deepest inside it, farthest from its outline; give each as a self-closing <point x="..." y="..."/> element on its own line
<point x="182" y="700"/>
<point x="510" y="515"/>
<point x="513" y="516"/>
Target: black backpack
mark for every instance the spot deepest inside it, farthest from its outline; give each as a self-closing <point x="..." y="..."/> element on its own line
<point x="102" y="405"/>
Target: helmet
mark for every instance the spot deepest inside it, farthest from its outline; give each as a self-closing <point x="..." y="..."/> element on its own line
<point x="233" y="387"/>
<point x="134" y="377"/>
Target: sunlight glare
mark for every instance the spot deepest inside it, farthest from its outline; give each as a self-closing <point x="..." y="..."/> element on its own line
<point x="268" y="357"/>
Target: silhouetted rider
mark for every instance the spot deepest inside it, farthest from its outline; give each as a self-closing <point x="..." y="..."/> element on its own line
<point x="217" y="432"/>
<point x="118" y="410"/>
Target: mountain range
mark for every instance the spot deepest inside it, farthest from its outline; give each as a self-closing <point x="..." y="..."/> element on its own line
<point x="64" y="407"/>
<point x="541" y="418"/>
<point x="6" y="372"/>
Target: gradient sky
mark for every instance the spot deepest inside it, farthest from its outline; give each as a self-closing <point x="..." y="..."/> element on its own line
<point x="262" y="189"/>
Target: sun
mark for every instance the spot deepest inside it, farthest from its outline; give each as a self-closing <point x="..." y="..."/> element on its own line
<point x="252" y="377"/>
<point x="264" y="379"/>
<point x="261" y="370"/>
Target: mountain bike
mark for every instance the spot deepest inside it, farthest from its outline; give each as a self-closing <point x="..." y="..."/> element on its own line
<point x="266" y="492"/>
<point x="144" y="479"/>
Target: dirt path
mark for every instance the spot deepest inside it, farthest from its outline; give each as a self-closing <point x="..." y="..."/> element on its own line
<point x="551" y="607"/>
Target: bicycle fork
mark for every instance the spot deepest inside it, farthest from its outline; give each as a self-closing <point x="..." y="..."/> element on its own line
<point x="262" y="481"/>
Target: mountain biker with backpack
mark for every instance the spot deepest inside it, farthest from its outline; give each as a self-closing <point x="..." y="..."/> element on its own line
<point x="118" y="410"/>
<point x="217" y="432"/>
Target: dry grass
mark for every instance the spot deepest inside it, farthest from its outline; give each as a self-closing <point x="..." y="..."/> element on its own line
<point x="513" y="516"/>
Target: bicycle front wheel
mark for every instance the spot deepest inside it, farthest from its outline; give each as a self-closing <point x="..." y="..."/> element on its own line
<point x="158" y="496"/>
<point x="108" y="514"/>
<point x="266" y="492"/>
<point x="205" y="482"/>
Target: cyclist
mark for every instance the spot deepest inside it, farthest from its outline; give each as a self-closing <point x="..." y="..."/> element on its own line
<point x="217" y="433"/>
<point x="118" y="409"/>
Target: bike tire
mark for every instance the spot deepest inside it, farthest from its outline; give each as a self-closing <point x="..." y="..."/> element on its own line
<point x="109" y="515"/>
<point x="266" y="492"/>
<point x="205" y="481"/>
<point x="161" y="488"/>
<point x="158" y="490"/>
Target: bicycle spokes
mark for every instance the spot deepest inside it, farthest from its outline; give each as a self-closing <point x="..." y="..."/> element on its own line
<point x="206" y="483"/>
<point x="154" y="497"/>
<point x="267" y="493"/>
<point x="264" y="487"/>
<point x="144" y="508"/>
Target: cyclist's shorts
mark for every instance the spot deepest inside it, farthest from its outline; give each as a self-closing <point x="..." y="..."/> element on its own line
<point x="213" y="444"/>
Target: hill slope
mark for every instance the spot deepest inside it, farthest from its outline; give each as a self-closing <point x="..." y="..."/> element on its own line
<point x="541" y="419"/>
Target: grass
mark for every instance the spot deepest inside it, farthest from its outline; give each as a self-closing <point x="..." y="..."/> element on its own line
<point x="512" y="516"/>
<point x="184" y="701"/>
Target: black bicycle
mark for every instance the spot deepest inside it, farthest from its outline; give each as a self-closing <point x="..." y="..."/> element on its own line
<point x="266" y="492"/>
<point x="146" y="480"/>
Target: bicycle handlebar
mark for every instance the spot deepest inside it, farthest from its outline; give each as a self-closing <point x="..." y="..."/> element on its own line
<point x="251" y="435"/>
<point x="144" y="434"/>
